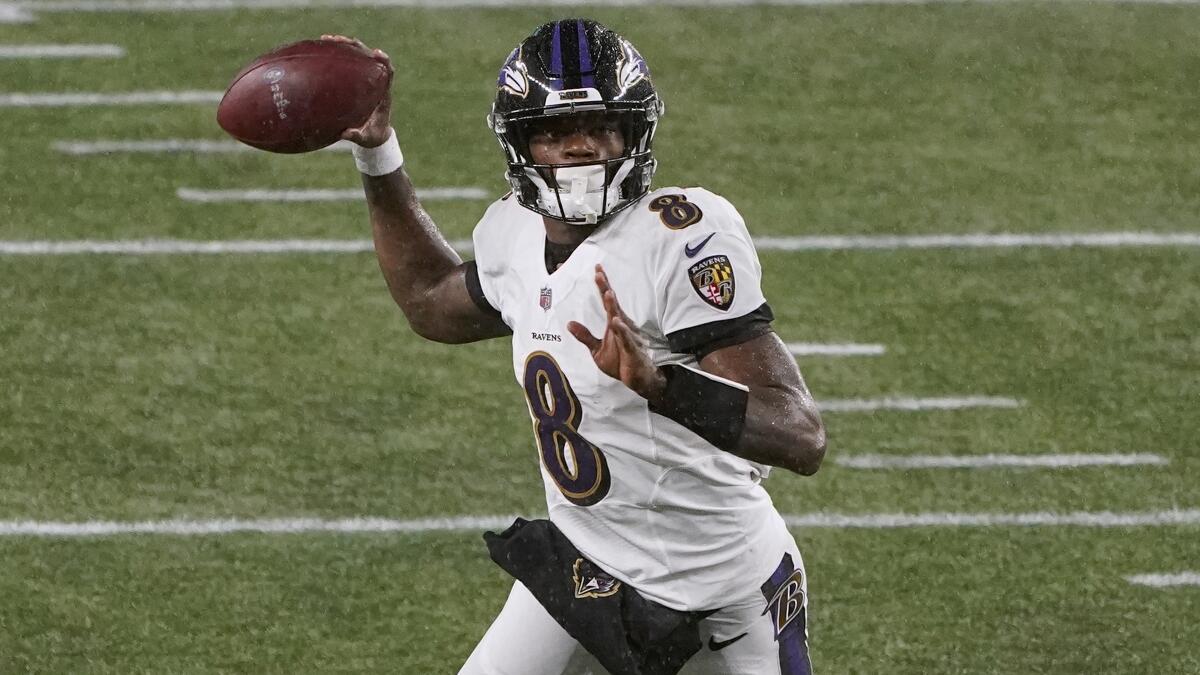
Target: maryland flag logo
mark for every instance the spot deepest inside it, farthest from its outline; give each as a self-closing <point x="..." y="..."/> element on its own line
<point x="713" y="280"/>
<point x="593" y="582"/>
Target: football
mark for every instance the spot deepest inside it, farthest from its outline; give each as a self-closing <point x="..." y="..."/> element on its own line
<point x="302" y="96"/>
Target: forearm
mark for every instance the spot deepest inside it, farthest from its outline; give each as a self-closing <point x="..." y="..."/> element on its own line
<point x="774" y="425"/>
<point x="782" y="428"/>
<point x="748" y="399"/>
<point x="412" y="253"/>
<point x="418" y="264"/>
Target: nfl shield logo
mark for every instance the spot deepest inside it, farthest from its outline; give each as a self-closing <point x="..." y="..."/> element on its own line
<point x="545" y="298"/>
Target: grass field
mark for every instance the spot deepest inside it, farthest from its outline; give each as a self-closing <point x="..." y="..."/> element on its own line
<point x="274" y="386"/>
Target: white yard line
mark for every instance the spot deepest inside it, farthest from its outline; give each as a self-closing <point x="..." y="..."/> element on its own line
<point x="1094" y="519"/>
<point x="265" y="526"/>
<point x="1165" y="580"/>
<point x="989" y="461"/>
<point x="496" y="522"/>
<point x="925" y="241"/>
<point x="12" y="14"/>
<point x="835" y="349"/>
<point x="167" y="145"/>
<point x="211" y="5"/>
<point x="324" y="195"/>
<point x="217" y="5"/>
<point x="60" y="51"/>
<point x="65" y="99"/>
<point x="914" y="404"/>
<point x="177" y="246"/>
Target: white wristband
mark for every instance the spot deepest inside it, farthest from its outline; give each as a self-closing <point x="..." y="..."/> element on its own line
<point x="379" y="161"/>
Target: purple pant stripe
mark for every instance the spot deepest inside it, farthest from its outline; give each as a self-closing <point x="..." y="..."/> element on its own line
<point x="793" y="646"/>
<point x="781" y="573"/>
<point x="793" y="649"/>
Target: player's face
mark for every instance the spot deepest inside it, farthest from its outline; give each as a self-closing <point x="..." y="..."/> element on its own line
<point x="576" y="139"/>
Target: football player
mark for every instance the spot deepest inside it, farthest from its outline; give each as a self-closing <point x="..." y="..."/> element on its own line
<point x="659" y="395"/>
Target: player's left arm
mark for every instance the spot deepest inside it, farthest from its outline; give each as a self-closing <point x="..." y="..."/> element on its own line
<point x="757" y="407"/>
<point x="782" y="426"/>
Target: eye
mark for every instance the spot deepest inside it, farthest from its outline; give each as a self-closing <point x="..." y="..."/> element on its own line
<point x="547" y="135"/>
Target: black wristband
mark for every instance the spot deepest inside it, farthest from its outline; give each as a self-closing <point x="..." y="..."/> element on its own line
<point x="711" y="409"/>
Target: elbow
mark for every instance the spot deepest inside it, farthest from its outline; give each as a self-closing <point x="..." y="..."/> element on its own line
<point x="435" y="332"/>
<point x="425" y="321"/>
<point x="808" y="451"/>
<point x="426" y="331"/>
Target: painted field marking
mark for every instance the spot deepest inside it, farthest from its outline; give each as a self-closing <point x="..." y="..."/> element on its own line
<point x="836" y="349"/>
<point x="324" y="195"/>
<point x="61" y="51"/>
<point x="179" y="246"/>
<point x="66" y="99"/>
<point x="262" y="526"/>
<point x="1047" y="519"/>
<point x="10" y="13"/>
<point x="926" y="241"/>
<point x="219" y="5"/>
<point x="168" y="146"/>
<point x="211" y="5"/>
<point x="184" y="527"/>
<point x="1062" y="461"/>
<point x="1165" y="580"/>
<point x="914" y="404"/>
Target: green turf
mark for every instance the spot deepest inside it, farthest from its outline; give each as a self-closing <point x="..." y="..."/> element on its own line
<point x="271" y="386"/>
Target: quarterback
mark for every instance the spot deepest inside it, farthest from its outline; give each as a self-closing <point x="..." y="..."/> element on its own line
<point x="658" y="393"/>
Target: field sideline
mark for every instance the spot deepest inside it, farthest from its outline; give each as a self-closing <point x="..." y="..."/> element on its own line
<point x="223" y="450"/>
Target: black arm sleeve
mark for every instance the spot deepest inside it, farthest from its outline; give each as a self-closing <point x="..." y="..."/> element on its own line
<point x="475" y="289"/>
<point x="711" y="409"/>
<point x="709" y="337"/>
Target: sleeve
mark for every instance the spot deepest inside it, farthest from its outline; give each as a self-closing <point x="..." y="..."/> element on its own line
<point x="475" y="290"/>
<point x="707" y="338"/>
<point x="710" y="284"/>
<point x="485" y="274"/>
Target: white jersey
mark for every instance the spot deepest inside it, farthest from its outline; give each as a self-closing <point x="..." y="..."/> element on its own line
<point x="686" y="524"/>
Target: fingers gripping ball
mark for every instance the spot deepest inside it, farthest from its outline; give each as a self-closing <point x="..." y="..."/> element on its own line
<point x="302" y="96"/>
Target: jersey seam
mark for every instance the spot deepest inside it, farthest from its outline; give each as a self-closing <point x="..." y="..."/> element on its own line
<point x="651" y="503"/>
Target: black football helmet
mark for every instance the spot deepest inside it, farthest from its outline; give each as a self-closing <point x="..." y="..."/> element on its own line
<point x="576" y="66"/>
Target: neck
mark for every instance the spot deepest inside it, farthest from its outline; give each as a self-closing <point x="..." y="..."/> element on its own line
<point x="565" y="233"/>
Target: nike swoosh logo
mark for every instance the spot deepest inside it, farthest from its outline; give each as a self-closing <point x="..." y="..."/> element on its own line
<point x="718" y="646"/>
<point x="691" y="251"/>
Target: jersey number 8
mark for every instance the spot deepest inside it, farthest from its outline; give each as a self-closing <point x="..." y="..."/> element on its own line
<point x="577" y="466"/>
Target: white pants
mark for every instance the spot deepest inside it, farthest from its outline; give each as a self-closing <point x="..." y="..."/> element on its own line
<point x="525" y="640"/>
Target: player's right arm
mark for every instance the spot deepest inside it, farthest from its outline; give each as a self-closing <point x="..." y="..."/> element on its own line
<point x="425" y="276"/>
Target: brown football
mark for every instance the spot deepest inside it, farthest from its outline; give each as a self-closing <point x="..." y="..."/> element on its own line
<point x="301" y="97"/>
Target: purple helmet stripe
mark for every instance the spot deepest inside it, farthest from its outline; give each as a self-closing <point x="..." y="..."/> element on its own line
<point x="556" y="64"/>
<point x="585" y="57"/>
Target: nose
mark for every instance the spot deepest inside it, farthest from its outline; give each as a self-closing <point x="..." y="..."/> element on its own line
<point x="580" y="146"/>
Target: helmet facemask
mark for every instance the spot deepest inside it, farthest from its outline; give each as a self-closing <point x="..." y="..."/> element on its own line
<point x="580" y="192"/>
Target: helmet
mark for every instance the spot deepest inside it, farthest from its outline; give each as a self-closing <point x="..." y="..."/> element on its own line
<point x="567" y="67"/>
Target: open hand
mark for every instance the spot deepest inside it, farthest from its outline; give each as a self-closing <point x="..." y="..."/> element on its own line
<point x="377" y="128"/>
<point x="622" y="353"/>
